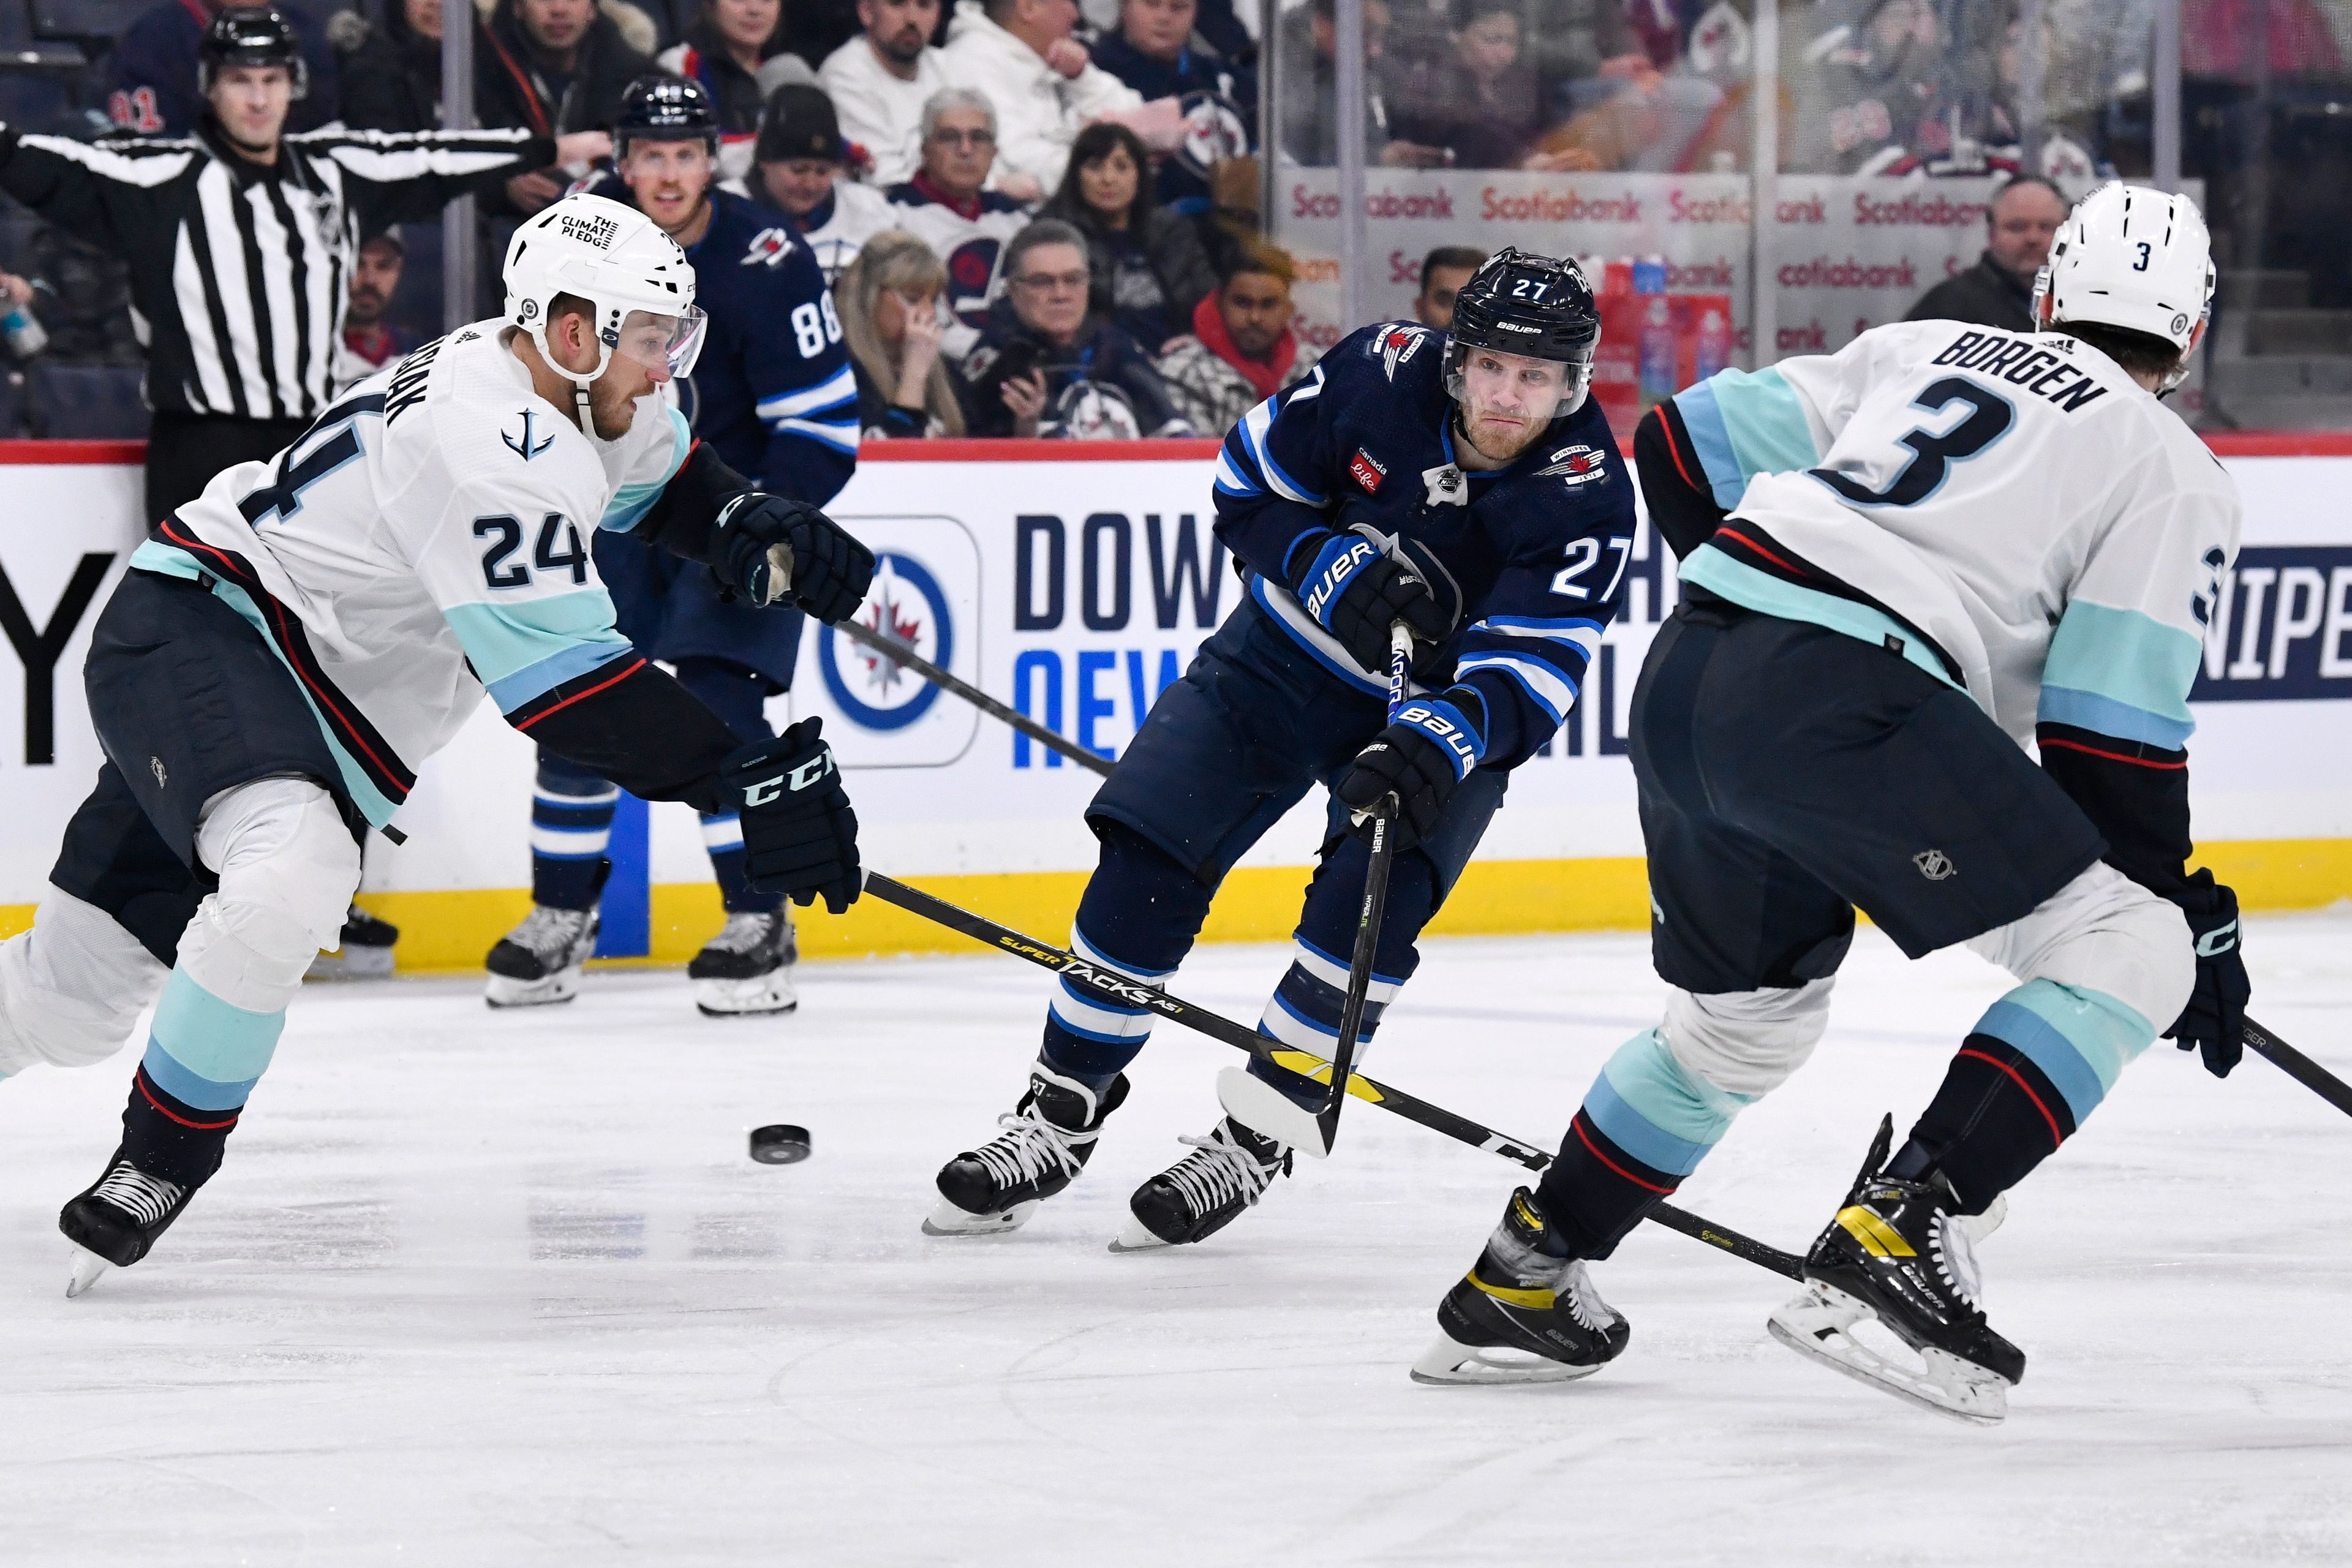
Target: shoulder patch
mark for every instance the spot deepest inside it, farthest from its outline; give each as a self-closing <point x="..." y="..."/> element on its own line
<point x="769" y="247"/>
<point x="1577" y="465"/>
<point x="1394" y="346"/>
<point x="1367" y="470"/>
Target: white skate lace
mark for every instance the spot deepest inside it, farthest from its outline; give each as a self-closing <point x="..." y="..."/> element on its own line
<point x="1028" y="1147"/>
<point x="745" y="932"/>
<point x="1219" y="1171"/>
<point x="1955" y="1260"/>
<point x="549" y="934"/>
<point x="1584" y="1301"/>
<point x="144" y="1198"/>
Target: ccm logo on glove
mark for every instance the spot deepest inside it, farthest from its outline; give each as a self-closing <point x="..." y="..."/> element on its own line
<point x="798" y="779"/>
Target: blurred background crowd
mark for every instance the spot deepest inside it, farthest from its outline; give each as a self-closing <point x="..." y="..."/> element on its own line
<point x="1046" y="218"/>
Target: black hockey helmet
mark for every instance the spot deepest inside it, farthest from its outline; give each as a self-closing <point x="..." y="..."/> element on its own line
<point x="1530" y="305"/>
<point x="242" y="35"/>
<point x="657" y="107"/>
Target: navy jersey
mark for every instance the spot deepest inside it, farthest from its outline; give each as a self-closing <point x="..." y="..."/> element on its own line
<point x="1527" y="559"/>
<point x="772" y="391"/>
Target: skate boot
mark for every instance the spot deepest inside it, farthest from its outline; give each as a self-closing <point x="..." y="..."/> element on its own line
<point x="118" y="1218"/>
<point x="364" y="951"/>
<point x="539" y="961"/>
<point x="1199" y="1195"/>
<point x="1897" y="1255"/>
<point x="1047" y="1139"/>
<point x="746" y="968"/>
<point x="1523" y="1314"/>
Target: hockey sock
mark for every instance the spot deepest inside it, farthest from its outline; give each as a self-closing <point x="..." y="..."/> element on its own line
<point x="740" y="697"/>
<point x="571" y="828"/>
<point x="2037" y="1063"/>
<point x="1138" y="918"/>
<point x="203" y="1056"/>
<point x="1645" y="1124"/>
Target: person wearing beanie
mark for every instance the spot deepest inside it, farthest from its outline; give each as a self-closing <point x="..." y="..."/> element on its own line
<point x="798" y="171"/>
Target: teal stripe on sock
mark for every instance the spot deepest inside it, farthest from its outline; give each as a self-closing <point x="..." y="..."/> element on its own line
<point x="2081" y="1039"/>
<point x="1654" y="1111"/>
<point x="215" y="1041"/>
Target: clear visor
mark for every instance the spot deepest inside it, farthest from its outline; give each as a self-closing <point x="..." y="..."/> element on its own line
<point x="664" y="345"/>
<point x="1491" y="381"/>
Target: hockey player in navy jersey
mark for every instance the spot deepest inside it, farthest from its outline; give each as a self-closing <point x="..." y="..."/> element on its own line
<point x="1902" y="564"/>
<point x="1464" y="487"/>
<point x="774" y="397"/>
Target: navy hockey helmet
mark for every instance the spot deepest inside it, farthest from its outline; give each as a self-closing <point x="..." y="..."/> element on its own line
<point x="661" y="108"/>
<point x="257" y="36"/>
<point x="1520" y="303"/>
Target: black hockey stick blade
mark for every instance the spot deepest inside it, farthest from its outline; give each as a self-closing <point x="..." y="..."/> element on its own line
<point x="1437" y="1118"/>
<point x="2300" y="1067"/>
<point x="899" y="653"/>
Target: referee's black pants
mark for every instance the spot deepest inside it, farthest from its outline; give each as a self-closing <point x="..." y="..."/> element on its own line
<point x="185" y="450"/>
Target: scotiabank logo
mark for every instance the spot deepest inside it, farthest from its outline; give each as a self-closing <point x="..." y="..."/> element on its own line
<point x="1700" y="276"/>
<point x="1823" y="272"/>
<point x="1715" y="209"/>
<point x="1305" y="203"/>
<point x="1558" y="206"/>
<point x="1920" y="212"/>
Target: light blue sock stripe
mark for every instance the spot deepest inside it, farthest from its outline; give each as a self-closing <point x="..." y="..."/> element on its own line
<point x="212" y="1038"/>
<point x="2080" y="1038"/>
<point x="1654" y="1111"/>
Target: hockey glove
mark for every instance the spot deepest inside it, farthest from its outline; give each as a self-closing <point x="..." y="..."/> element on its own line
<point x="2215" y="1019"/>
<point x="800" y="837"/>
<point x="824" y="568"/>
<point x="1356" y="593"/>
<point x="1421" y="758"/>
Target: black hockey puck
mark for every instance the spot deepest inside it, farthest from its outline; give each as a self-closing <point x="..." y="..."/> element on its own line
<point x="782" y="1144"/>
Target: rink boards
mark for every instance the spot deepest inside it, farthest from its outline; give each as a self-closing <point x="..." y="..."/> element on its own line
<point x="1076" y="582"/>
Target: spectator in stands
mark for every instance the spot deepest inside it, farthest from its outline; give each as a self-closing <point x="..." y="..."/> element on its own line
<point x="1443" y="271"/>
<point x="726" y="46"/>
<point x="881" y="78"/>
<point x="819" y="27"/>
<point x="1998" y="291"/>
<point x="1584" y="52"/>
<point x="1241" y="350"/>
<point x="892" y="321"/>
<point x="1021" y="53"/>
<point x="1873" y="93"/>
<point x="1048" y="365"/>
<point x="153" y="72"/>
<point x="1472" y="95"/>
<point x="392" y="72"/>
<point x="946" y="207"/>
<point x="799" y="174"/>
<point x="1151" y="52"/>
<point x="370" y="340"/>
<point x="551" y="67"/>
<point x="82" y="295"/>
<point x="1147" y="264"/>
<point x="20" y="323"/>
<point x="1312" y="136"/>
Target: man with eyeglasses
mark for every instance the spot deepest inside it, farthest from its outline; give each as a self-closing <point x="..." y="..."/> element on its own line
<point x="947" y="207"/>
<point x="1047" y="365"/>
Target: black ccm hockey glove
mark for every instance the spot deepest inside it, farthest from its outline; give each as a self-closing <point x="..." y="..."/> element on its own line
<point x="1421" y="758"/>
<point x="2215" y="1019"/>
<point x="800" y="837"/>
<point x="1356" y="592"/>
<point x="821" y="565"/>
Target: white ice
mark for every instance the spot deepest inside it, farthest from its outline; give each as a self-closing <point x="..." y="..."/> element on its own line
<point x="506" y="1290"/>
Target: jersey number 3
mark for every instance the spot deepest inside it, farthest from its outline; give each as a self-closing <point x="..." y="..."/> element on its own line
<point x="558" y="549"/>
<point x="1932" y="455"/>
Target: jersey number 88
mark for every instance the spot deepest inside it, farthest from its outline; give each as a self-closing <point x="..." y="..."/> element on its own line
<point x="815" y="325"/>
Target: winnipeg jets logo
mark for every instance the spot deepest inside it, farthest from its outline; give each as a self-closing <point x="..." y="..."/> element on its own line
<point x="1576" y="466"/>
<point x="1396" y="345"/>
<point x="526" y="449"/>
<point x="769" y="247"/>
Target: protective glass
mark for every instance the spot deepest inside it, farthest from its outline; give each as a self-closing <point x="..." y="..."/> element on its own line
<point x="662" y="344"/>
<point x="1570" y="379"/>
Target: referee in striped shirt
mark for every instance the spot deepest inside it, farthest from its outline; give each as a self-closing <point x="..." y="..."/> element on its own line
<point x="241" y="241"/>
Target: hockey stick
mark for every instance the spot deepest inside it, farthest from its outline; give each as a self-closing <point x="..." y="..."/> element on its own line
<point x="1118" y="988"/>
<point x="1262" y="1105"/>
<point x="2300" y="1067"/>
<point x="900" y="654"/>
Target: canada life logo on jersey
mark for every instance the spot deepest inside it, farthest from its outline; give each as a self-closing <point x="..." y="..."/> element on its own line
<point x="907" y="606"/>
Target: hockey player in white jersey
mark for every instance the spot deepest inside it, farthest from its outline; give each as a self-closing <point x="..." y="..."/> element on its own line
<point x="289" y="648"/>
<point x="1904" y="564"/>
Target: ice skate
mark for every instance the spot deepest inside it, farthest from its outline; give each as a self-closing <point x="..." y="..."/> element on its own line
<point x="1047" y="1139"/>
<point x="1199" y="1195"/>
<point x="1897" y="1256"/>
<point x="1522" y="1315"/>
<point x="541" y="960"/>
<point x="364" y="951"/>
<point x="117" y="1219"/>
<point x="746" y="968"/>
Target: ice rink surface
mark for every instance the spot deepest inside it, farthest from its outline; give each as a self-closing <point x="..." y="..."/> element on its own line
<point x="506" y="1290"/>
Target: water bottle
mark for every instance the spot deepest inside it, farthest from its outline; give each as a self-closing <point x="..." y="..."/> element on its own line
<point x="1714" y="350"/>
<point x="1650" y="275"/>
<point x="1658" y="372"/>
<point x="24" y="333"/>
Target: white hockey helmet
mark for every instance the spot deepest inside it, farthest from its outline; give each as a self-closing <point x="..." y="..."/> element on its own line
<point x="621" y="262"/>
<point x="2130" y="256"/>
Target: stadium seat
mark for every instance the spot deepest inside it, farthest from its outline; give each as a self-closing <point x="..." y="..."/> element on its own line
<point x="86" y="402"/>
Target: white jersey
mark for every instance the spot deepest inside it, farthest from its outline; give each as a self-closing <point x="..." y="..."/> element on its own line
<point x="2010" y="512"/>
<point x="426" y="537"/>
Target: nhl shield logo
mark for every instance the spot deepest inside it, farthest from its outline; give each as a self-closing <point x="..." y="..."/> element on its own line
<point x="1933" y="864"/>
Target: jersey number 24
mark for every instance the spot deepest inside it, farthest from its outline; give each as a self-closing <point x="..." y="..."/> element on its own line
<point x="558" y="550"/>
